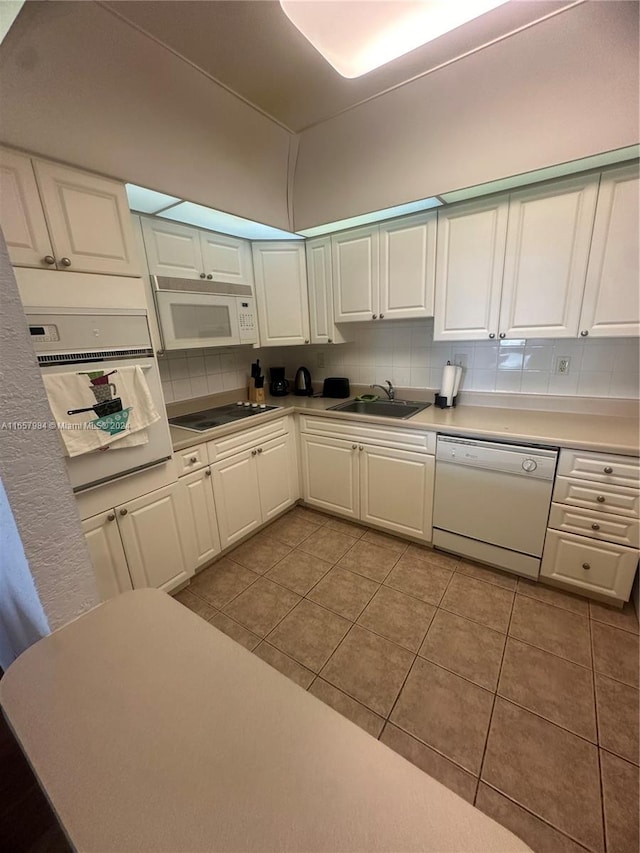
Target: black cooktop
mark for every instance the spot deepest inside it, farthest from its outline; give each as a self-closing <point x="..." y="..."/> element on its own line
<point x="210" y="418"/>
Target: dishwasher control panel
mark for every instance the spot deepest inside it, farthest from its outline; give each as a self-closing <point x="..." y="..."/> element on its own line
<point x="534" y="462"/>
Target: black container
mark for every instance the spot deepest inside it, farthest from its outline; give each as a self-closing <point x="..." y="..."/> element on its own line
<point x="441" y="402"/>
<point x="278" y="385"/>
<point x="336" y="387"/>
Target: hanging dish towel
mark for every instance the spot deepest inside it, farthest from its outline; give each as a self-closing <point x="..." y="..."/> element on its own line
<point x="87" y="431"/>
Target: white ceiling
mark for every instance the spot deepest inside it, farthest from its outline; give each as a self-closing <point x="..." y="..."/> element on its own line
<point x="251" y="47"/>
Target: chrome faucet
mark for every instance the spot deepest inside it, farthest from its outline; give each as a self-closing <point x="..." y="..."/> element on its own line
<point x="390" y="391"/>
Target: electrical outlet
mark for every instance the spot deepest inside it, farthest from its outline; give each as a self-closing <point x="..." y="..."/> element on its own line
<point x="320" y="359"/>
<point x="563" y="362"/>
<point x="460" y="359"/>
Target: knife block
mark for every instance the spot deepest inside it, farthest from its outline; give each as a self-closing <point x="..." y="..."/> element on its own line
<point x="256" y="395"/>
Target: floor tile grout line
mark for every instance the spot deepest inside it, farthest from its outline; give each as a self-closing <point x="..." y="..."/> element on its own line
<point x="547" y="720"/>
<point x="535" y="815"/>
<point x="548" y="652"/>
<point x="495" y="695"/>
<point x="603" y="821"/>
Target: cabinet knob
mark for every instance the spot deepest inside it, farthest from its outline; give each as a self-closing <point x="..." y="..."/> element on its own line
<point x="595" y="526"/>
<point x="361" y="447"/>
<point x="354" y="446"/>
<point x="111" y="517"/>
<point x="382" y="316"/>
<point x="329" y="340"/>
<point x="503" y="335"/>
<point x="259" y="450"/>
<point x="66" y="262"/>
<point x="207" y="473"/>
<point x="374" y="316"/>
<point x="49" y="259"/>
<point x="124" y="511"/>
<point x="600" y="499"/>
<point x="306" y="340"/>
<point x="492" y="335"/>
<point x="586" y="565"/>
<point x="584" y="333"/>
<point x="202" y="275"/>
<point x="608" y="470"/>
<point x="209" y="276"/>
<point x="253" y="452"/>
<point x="193" y="460"/>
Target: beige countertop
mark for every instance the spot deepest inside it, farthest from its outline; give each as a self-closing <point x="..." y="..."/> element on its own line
<point x="150" y="730"/>
<point x="600" y="433"/>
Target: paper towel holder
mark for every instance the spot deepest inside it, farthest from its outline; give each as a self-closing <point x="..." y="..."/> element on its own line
<point x="441" y="402"/>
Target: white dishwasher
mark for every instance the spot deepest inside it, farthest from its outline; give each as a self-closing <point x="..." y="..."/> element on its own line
<point x="492" y="501"/>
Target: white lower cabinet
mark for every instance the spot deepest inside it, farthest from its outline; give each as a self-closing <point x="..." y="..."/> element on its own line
<point x="202" y="543"/>
<point x="141" y="543"/>
<point x="254" y="485"/>
<point x="390" y="488"/>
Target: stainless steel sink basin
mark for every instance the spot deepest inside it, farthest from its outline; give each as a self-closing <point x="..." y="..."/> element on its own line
<point x="381" y="408"/>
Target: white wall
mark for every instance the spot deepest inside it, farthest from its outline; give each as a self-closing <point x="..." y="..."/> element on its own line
<point x="562" y="90"/>
<point x="404" y="352"/>
<point x="79" y="85"/>
<point x="33" y="471"/>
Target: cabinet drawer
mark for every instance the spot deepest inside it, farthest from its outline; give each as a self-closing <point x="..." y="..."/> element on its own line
<point x="600" y="467"/>
<point x="401" y="439"/>
<point x="601" y="497"/>
<point x="610" y="569"/>
<point x="237" y="442"/>
<point x="192" y="459"/>
<point x="597" y="525"/>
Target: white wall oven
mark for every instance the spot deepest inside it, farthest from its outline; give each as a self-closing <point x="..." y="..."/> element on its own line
<point x="194" y="314"/>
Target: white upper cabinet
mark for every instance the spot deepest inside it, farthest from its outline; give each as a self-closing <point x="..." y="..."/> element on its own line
<point x="21" y="215"/>
<point x="281" y="293"/>
<point x="320" y="283"/>
<point x="172" y="249"/>
<point x="226" y="258"/>
<point x="611" y="299"/>
<point x="469" y="266"/>
<point x="548" y="240"/>
<point x="89" y="220"/>
<point x="407" y="266"/>
<point x="355" y="265"/>
<point x="55" y="217"/>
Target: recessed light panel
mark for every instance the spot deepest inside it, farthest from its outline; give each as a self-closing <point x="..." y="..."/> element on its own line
<point x="356" y="36"/>
<point x="374" y="216"/>
<point x="224" y="223"/>
<point x="143" y="200"/>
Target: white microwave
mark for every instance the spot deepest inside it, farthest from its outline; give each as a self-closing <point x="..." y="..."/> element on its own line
<point x="194" y="314"/>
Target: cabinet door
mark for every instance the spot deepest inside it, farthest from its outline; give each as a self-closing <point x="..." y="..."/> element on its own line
<point x="21" y="216"/>
<point x="611" y="306"/>
<point x="469" y="266"/>
<point x="227" y="259"/>
<point x="323" y="330"/>
<point x="330" y="474"/>
<point x="397" y="490"/>
<point x="203" y="540"/>
<point x="89" y="220"/>
<point x="107" y="555"/>
<point x="281" y="293"/>
<point x="151" y="527"/>
<point x="408" y="266"/>
<point x="545" y="266"/>
<point x="237" y="496"/>
<point x="172" y="249"/>
<point x="276" y="476"/>
<point x="587" y="565"/>
<point x="355" y="267"/>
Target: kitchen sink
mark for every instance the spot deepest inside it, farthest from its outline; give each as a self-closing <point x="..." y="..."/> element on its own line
<point x="381" y="408"/>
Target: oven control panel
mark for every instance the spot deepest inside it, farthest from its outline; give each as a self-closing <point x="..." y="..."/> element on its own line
<point x="47" y="333"/>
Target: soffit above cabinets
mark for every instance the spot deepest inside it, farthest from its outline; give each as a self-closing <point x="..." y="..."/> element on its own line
<point x="253" y="49"/>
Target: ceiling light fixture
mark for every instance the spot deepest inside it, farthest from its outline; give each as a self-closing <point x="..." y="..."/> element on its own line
<point x="356" y="36"/>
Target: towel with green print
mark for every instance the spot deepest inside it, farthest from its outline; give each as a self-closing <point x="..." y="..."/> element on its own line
<point x="101" y="409"/>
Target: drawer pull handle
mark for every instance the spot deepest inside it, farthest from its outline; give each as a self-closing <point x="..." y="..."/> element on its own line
<point x="608" y="470"/>
<point x="595" y="526"/>
<point x="600" y="499"/>
<point x="193" y="460"/>
<point x="586" y="565"/>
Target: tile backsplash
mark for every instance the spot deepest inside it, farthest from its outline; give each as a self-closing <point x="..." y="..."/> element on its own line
<point x="404" y="352"/>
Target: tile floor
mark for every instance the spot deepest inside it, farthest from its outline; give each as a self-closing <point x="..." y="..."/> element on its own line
<point x="519" y="697"/>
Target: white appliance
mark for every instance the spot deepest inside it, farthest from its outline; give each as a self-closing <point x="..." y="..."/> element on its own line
<point x="194" y="313"/>
<point x="77" y="340"/>
<point x="492" y="501"/>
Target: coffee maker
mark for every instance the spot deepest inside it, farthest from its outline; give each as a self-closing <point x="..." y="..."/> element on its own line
<point x="278" y="385"/>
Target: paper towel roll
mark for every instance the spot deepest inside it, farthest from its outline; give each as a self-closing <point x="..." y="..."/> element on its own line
<point x="448" y="381"/>
<point x="456" y="383"/>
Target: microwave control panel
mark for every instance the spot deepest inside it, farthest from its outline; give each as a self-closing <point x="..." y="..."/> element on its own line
<point x="247" y="321"/>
